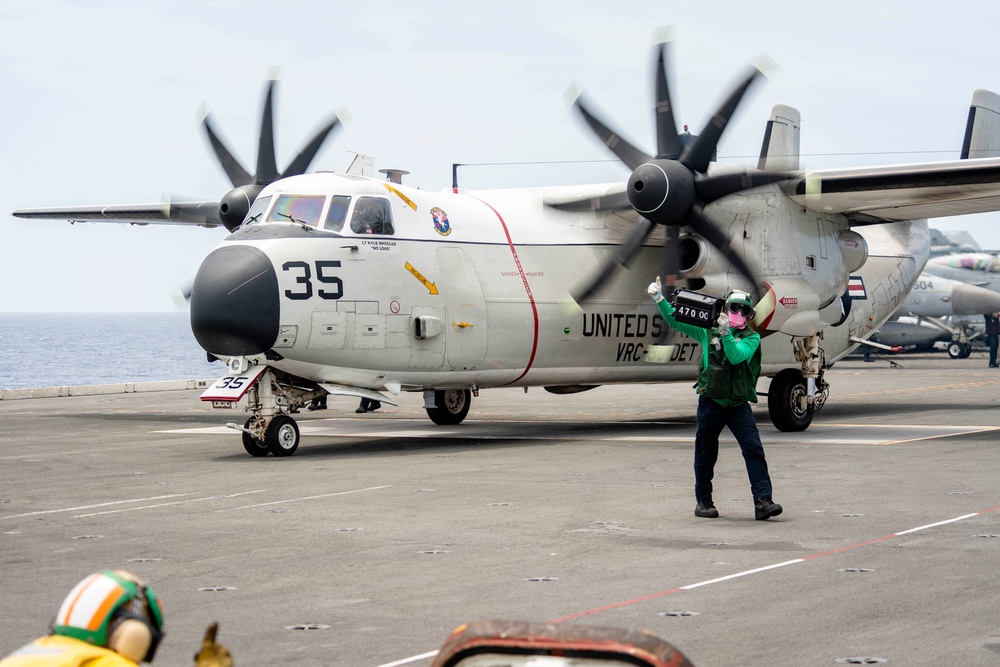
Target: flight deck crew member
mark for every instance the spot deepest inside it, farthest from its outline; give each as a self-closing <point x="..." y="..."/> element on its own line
<point x="992" y="336"/>
<point x="727" y="377"/>
<point x="110" y="619"/>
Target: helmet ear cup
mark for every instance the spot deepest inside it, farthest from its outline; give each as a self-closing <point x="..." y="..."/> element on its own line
<point x="132" y="638"/>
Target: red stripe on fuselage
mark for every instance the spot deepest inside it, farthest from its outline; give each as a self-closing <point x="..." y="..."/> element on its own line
<point x="527" y="289"/>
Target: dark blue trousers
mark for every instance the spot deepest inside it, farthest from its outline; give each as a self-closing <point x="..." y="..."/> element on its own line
<point x="712" y="418"/>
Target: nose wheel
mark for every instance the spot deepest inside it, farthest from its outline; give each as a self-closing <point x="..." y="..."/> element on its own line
<point x="959" y="350"/>
<point x="254" y="446"/>
<point x="282" y="436"/>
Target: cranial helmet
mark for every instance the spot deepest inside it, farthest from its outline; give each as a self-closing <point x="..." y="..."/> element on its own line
<point x="113" y="609"/>
<point x="739" y="296"/>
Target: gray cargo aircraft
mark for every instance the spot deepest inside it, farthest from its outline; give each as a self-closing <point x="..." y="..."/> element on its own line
<point x="341" y="284"/>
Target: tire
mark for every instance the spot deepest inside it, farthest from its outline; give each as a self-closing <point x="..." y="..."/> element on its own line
<point x="783" y="396"/>
<point x="452" y="406"/>
<point x="966" y="350"/>
<point x="282" y="436"/>
<point x="253" y="446"/>
<point x="955" y="350"/>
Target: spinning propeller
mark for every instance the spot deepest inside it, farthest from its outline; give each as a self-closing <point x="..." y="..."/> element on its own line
<point x="673" y="187"/>
<point x="235" y="205"/>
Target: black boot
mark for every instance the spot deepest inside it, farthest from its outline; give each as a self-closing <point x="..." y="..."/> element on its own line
<point x="706" y="510"/>
<point x="764" y="509"/>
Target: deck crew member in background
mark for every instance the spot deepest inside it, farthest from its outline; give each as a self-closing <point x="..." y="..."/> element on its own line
<point x="992" y="336"/>
<point x="727" y="378"/>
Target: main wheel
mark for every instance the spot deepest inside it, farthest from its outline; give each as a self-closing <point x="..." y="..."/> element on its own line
<point x="785" y="401"/>
<point x="452" y="406"/>
<point x="282" y="436"/>
<point x="966" y="350"/>
<point x="253" y="446"/>
<point x="955" y="350"/>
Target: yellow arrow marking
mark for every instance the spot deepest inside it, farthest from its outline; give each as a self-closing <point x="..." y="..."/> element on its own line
<point x="431" y="287"/>
<point x="409" y="202"/>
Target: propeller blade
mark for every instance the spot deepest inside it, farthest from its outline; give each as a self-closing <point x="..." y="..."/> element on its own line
<point x="626" y="152"/>
<point x="704" y="227"/>
<point x="308" y="153"/>
<point x="234" y="170"/>
<point x="671" y="259"/>
<point x="717" y="186"/>
<point x="698" y="153"/>
<point x="621" y="258"/>
<point x="671" y="269"/>
<point x="267" y="167"/>
<point x="668" y="144"/>
<point x="617" y="201"/>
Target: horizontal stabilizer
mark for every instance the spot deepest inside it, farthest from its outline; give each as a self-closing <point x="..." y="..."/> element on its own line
<point x="982" y="131"/>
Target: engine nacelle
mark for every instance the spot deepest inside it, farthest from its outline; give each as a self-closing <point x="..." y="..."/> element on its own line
<point x="236" y="203"/>
<point x="790" y="306"/>
<point x="853" y="248"/>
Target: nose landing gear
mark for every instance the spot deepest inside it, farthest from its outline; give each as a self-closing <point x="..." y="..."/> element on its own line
<point x="271" y="430"/>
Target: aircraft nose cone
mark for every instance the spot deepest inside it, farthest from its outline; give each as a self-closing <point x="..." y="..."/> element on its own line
<point x="973" y="300"/>
<point x="234" y="302"/>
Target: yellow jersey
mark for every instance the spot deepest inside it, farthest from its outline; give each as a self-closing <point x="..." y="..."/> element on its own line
<point x="58" y="651"/>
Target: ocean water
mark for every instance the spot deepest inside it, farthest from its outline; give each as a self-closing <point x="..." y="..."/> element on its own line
<point x="70" y="349"/>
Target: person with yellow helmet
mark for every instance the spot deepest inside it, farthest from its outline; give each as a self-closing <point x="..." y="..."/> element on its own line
<point x="727" y="379"/>
<point x="110" y="619"/>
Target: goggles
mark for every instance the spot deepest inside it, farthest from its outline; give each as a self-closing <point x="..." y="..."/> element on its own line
<point x="741" y="308"/>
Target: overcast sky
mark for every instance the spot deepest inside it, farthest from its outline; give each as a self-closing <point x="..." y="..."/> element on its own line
<point x="101" y="104"/>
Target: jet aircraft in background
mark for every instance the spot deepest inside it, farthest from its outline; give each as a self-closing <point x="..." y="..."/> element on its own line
<point x="947" y="309"/>
<point x="342" y="284"/>
<point x="939" y="309"/>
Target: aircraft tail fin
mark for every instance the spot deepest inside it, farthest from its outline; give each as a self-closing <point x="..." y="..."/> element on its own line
<point x="362" y="165"/>
<point x="780" y="150"/>
<point x="982" y="130"/>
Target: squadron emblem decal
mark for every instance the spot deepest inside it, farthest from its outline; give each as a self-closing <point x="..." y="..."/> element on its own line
<point x="441" y="224"/>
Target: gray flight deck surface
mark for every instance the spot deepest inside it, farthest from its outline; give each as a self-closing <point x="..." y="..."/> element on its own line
<point x="384" y="532"/>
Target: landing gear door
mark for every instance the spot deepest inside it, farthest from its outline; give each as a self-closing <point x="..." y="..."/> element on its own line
<point x="466" y="324"/>
<point x="232" y="388"/>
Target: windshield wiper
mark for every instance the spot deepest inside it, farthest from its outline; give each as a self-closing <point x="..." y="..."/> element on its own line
<point x="292" y="218"/>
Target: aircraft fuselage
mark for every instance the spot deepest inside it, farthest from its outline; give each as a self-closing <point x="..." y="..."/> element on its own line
<point x="472" y="289"/>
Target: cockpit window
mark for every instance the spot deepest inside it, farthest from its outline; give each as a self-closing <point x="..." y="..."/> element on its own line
<point x="338" y="213"/>
<point x="257" y="210"/>
<point x="297" y="208"/>
<point x="372" y="215"/>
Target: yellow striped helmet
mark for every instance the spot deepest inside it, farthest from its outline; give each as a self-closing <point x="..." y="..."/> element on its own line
<point x="113" y="609"/>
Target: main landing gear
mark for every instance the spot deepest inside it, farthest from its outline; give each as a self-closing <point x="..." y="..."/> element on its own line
<point x="447" y="407"/>
<point x="795" y="394"/>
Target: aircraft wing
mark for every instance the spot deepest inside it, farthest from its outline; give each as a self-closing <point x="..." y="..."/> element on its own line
<point x="901" y="192"/>
<point x="202" y="213"/>
<point x="594" y="198"/>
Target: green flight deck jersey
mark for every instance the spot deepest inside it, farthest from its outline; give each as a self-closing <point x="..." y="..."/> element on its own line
<point x="730" y="364"/>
